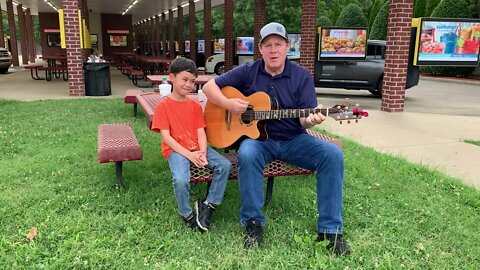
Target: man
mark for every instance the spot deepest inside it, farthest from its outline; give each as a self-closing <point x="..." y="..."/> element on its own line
<point x="292" y="86"/>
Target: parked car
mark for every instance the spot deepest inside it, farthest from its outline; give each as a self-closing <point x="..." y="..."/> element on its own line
<point x="216" y="63"/>
<point x="5" y="60"/>
<point x="365" y="74"/>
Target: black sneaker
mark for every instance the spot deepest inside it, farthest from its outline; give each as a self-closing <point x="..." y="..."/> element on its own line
<point x="190" y="221"/>
<point x="204" y="214"/>
<point x="337" y="244"/>
<point x="253" y="234"/>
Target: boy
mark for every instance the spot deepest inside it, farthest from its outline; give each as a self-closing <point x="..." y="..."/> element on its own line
<point x="179" y="120"/>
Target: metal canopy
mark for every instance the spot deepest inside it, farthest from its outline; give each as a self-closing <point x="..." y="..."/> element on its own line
<point x="143" y="9"/>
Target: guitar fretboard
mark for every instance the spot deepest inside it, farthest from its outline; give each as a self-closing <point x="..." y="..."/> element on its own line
<point x="282" y="114"/>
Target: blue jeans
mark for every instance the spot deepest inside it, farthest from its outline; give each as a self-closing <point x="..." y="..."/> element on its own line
<point x="305" y="151"/>
<point x="180" y="168"/>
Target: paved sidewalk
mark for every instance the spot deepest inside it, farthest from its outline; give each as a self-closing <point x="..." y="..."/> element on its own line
<point x="430" y="139"/>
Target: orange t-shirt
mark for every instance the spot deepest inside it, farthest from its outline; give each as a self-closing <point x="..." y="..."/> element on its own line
<point x="182" y="119"/>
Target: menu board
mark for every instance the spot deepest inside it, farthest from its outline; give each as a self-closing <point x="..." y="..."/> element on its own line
<point x="201" y="46"/>
<point x="342" y="43"/>
<point x="187" y="46"/>
<point x="219" y="45"/>
<point x="449" y="42"/>
<point x="294" y="44"/>
<point x="244" y="45"/>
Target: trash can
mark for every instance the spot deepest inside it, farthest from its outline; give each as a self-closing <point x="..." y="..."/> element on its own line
<point x="97" y="79"/>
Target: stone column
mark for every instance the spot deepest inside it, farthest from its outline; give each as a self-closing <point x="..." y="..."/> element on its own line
<point x="307" y="45"/>
<point x="193" y="30"/>
<point x="76" y="84"/>
<point x="207" y="27"/>
<point x="396" y="58"/>
<point x="13" y="33"/>
<point x="259" y="22"/>
<point x="228" y="31"/>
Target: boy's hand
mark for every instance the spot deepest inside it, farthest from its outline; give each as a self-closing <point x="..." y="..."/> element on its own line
<point x="198" y="159"/>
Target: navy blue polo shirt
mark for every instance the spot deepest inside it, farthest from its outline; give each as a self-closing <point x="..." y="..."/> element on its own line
<point x="293" y="89"/>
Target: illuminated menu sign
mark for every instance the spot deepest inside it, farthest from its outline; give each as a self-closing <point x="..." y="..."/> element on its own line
<point x="448" y="42"/>
<point x="342" y="43"/>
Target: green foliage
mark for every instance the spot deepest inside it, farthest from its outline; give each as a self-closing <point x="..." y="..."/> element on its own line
<point x="451" y="9"/>
<point x="419" y="8"/>
<point x="218" y="18"/>
<point x="377" y="5"/>
<point x="394" y="211"/>
<point x="243" y="17"/>
<point x="431" y="5"/>
<point x="367" y="6"/>
<point x="380" y="24"/>
<point x="322" y="8"/>
<point x="352" y="16"/>
<point x="289" y="13"/>
<point x="324" y="21"/>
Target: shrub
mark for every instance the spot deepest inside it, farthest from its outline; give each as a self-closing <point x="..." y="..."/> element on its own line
<point x="324" y="21"/>
<point x="431" y="5"/>
<point x="420" y="8"/>
<point x="377" y="5"/>
<point x="352" y="16"/>
<point x="380" y="24"/>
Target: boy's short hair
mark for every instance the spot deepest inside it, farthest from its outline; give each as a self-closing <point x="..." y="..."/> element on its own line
<point x="183" y="64"/>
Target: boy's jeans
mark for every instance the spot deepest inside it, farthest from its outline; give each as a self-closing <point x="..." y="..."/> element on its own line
<point x="304" y="151"/>
<point x="180" y="168"/>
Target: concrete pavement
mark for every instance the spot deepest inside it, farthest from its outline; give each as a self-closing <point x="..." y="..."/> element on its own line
<point x="439" y="115"/>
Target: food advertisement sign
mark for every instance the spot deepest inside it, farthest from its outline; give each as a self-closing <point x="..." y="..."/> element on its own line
<point x="294" y="44"/>
<point x="448" y="42"/>
<point x="244" y="45"/>
<point x="201" y="46"/>
<point x="219" y="45"/>
<point x="342" y="43"/>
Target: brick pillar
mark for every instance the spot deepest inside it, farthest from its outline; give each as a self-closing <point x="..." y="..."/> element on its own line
<point x="164" y="34"/>
<point x="158" y="36"/>
<point x="228" y="31"/>
<point x="13" y="33"/>
<point x="258" y="23"/>
<point x="76" y="84"/>
<point x="396" y="58"/>
<point x="181" y="44"/>
<point x="207" y="27"/>
<point x="31" y="36"/>
<point x="171" y="37"/>
<point x="2" y="40"/>
<point x="193" y="30"/>
<point x="23" y="36"/>
<point x="149" y="35"/>
<point x="307" y="46"/>
<point x="154" y="36"/>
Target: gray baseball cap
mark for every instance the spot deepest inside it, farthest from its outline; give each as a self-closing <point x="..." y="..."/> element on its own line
<point x="273" y="28"/>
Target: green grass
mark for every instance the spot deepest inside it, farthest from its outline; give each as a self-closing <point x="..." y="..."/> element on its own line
<point x="477" y="143"/>
<point x="396" y="214"/>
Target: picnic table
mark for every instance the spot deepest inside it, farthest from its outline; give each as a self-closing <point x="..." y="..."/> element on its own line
<point x="200" y="81"/>
<point x="153" y="64"/>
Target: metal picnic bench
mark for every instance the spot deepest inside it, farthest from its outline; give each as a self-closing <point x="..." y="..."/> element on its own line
<point x="148" y="103"/>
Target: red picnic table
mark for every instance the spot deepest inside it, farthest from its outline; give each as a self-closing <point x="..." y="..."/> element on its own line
<point x="153" y="64"/>
<point x="199" y="82"/>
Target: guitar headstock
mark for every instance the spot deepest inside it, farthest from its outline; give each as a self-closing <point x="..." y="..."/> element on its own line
<point x="347" y="113"/>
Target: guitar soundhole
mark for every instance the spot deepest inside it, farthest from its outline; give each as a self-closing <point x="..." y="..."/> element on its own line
<point x="248" y="116"/>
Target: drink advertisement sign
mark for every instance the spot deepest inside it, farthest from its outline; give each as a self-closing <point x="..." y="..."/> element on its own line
<point x="342" y="43"/>
<point x="244" y="45"/>
<point x="449" y="42"/>
<point x="294" y="44"/>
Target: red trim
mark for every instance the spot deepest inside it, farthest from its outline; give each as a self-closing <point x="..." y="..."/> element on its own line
<point x="51" y="30"/>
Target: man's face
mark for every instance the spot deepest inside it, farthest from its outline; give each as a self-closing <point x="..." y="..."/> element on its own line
<point x="274" y="50"/>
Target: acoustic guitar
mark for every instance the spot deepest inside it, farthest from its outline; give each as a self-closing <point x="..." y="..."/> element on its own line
<point x="225" y="128"/>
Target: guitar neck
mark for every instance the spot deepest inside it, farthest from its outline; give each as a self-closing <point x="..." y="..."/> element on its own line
<point x="283" y="114"/>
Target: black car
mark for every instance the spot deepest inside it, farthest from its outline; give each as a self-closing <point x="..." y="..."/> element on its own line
<point x="364" y="74"/>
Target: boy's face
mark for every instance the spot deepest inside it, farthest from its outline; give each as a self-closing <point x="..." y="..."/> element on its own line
<point x="183" y="83"/>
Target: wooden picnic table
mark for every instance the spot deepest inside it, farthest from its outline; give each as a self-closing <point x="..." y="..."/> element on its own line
<point x="153" y="64"/>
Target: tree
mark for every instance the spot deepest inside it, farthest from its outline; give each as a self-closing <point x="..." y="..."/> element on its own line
<point x="380" y="24"/>
<point x="323" y="21"/>
<point x="352" y="16"/>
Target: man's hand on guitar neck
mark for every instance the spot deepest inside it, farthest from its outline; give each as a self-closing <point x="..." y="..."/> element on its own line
<point x="313" y="119"/>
